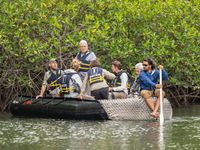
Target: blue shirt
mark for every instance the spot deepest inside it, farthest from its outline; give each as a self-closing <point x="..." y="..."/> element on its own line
<point x="148" y="80"/>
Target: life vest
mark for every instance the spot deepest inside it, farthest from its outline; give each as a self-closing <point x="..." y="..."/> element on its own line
<point x="68" y="84"/>
<point x="117" y="81"/>
<point x="95" y="75"/>
<point x="53" y="80"/>
<point x="84" y="64"/>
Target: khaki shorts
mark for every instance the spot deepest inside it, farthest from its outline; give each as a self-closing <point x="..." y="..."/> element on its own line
<point x="118" y="95"/>
<point x="148" y="94"/>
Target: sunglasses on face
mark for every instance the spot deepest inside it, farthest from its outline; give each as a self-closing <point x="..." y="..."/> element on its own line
<point x="145" y="65"/>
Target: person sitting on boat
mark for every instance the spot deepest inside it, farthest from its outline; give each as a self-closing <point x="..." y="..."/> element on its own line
<point x="51" y="78"/>
<point x="119" y="86"/>
<point x="85" y="56"/>
<point x="71" y="82"/>
<point x="135" y="88"/>
<point x="95" y="80"/>
<point x="149" y="84"/>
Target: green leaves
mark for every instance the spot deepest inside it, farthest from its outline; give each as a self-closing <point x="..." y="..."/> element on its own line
<point x="31" y="32"/>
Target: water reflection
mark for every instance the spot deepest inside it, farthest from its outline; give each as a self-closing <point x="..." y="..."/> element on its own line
<point x="20" y="133"/>
<point x="52" y="134"/>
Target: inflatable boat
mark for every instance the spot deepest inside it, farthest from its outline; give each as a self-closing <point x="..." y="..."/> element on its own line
<point x="133" y="108"/>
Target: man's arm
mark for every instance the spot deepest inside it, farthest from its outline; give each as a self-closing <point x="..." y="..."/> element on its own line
<point x="145" y="79"/>
<point x="164" y="73"/>
<point x="124" y="79"/>
<point x="84" y="85"/>
<point x="108" y="75"/>
<point x="78" y="80"/>
<point x="44" y="86"/>
<point x="91" y="57"/>
<point x="43" y="89"/>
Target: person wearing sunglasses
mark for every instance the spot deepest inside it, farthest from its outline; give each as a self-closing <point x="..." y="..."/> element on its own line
<point x="150" y="86"/>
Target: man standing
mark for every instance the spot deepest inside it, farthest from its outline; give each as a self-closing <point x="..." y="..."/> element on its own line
<point x="119" y="87"/>
<point x="149" y="85"/>
<point x="51" y="79"/>
<point x="84" y="57"/>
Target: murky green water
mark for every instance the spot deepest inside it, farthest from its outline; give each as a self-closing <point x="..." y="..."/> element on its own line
<point x="182" y="132"/>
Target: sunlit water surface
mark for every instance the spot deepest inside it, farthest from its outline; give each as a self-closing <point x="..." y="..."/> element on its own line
<point x="182" y="132"/>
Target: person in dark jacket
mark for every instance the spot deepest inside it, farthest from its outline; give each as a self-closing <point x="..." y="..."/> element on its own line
<point x="149" y="85"/>
<point x="51" y="80"/>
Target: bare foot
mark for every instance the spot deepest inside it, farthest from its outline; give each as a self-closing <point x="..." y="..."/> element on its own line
<point x="155" y="115"/>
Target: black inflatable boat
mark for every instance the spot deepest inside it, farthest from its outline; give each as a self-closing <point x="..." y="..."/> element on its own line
<point x="132" y="108"/>
<point x="67" y="108"/>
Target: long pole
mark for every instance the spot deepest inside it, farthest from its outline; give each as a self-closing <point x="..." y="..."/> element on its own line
<point x="161" y="101"/>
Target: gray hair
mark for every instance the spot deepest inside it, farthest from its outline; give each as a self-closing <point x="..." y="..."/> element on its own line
<point x="83" y="42"/>
<point x="139" y="66"/>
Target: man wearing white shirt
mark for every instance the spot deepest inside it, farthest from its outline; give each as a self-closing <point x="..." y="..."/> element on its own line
<point x="119" y="87"/>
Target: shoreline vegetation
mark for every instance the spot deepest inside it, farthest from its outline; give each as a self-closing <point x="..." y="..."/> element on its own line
<point x="31" y="32"/>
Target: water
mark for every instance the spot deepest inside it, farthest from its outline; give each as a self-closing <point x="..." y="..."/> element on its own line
<point x="182" y="132"/>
